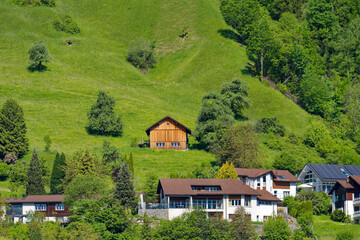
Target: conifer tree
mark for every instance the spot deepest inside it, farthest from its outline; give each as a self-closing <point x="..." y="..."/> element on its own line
<point x="102" y="119"/>
<point x="12" y="130"/>
<point x="35" y="185"/>
<point x="57" y="174"/>
<point x="124" y="188"/>
<point x="227" y="171"/>
<point x="146" y="232"/>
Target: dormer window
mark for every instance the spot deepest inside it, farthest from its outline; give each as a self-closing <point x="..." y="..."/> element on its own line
<point x="344" y="172"/>
<point x="206" y="188"/>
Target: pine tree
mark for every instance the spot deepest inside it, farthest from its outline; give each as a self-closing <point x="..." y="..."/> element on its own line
<point x="124" y="188"/>
<point x="35" y="185"/>
<point x="146" y="232"/>
<point x="57" y="174"/>
<point x="227" y="171"/>
<point x="102" y="119"/>
<point x="12" y="130"/>
<point x="130" y="162"/>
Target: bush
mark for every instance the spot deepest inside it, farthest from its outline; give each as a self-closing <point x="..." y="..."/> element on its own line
<point x="338" y="215"/>
<point x="141" y="53"/>
<point x="66" y="24"/>
<point x="10" y="158"/>
<point x="270" y="125"/>
<point x="4" y="171"/>
<point x="48" y="3"/>
<point x="345" y="235"/>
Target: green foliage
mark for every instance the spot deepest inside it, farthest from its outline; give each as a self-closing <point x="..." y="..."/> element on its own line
<point x="48" y="3"/>
<point x="241" y="225"/>
<point x="194" y="225"/>
<point x="4" y="171"/>
<point x="130" y="163"/>
<point x="269" y="125"/>
<point x="338" y="215"/>
<point x="150" y="188"/>
<point x="12" y="130"/>
<point x="146" y="231"/>
<point x="57" y="174"/>
<point x="18" y="177"/>
<point x="38" y="55"/>
<point x="35" y="185"/>
<point x="276" y="228"/>
<point x="321" y="202"/>
<point x="102" y="119"/>
<point x="345" y="235"/>
<point x="240" y="146"/>
<point x="204" y="171"/>
<point x="235" y="95"/>
<point x="288" y="161"/>
<point x="124" y="188"/>
<point x="141" y="53"/>
<point x="84" y="187"/>
<point x="66" y="24"/>
<point x="227" y="171"/>
<point x="48" y="142"/>
<point x="111" y="155"/>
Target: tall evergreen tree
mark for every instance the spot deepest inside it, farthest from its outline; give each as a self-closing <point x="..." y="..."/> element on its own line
<point x="131" y="163"/>
<point x="57" y="174"/>
<point x="102" y="119"/>
<point x="124" y="188"/>
<point x="35" y="185"/>
<point x="12" y="130"/>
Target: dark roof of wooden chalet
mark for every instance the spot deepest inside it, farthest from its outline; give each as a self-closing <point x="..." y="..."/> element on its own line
<point x="165" y="118"/>
<point x="174" y="186"/>
<point x="351" y="183"/>
<point x="36" y="199"/>
<point x="255" y="173"/>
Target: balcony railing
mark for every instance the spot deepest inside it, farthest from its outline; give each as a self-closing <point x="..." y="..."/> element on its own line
<point x="211" y="204"/>
<point x="356" y="199"/>
<point x="357" y="213"/>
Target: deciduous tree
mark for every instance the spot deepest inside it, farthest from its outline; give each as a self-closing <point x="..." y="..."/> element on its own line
<point x="227" y="171"/>
<point x="38" y="55"/>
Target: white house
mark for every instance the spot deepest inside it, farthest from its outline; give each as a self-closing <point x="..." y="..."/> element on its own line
<point x="219" y="197"/>
<point x="346" y="197"/>
<point x="51" y="205"/>
<point x="280" y="183"/>
<point x="322" y="177"/>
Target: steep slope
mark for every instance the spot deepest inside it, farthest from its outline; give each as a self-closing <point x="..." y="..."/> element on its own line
<point x="56" y="101"/>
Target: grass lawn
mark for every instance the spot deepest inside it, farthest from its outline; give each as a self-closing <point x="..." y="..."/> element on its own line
<point x="327" y="229"/>
<point x="56" y="101"/>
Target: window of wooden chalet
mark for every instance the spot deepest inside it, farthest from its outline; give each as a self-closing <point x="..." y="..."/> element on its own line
<point x="40" y="207"/>
<point x="59" y="207"/>
<point x="160" y="144"/>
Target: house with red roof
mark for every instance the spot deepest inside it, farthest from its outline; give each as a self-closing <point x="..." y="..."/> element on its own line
<point x="280" y="183"/>
<point x="346" y="197"/>
<point x="218" y="197"/>
<point x="51" y="205"/>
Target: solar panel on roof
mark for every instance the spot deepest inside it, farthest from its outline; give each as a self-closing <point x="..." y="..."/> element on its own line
<point x="328" y="171"/>
<point x="353" y="169"/>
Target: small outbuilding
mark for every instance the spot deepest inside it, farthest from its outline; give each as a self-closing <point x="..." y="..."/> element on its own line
<point x="168" y="133"/>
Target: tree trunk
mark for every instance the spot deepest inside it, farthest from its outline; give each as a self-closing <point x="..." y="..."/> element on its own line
<point x="40" y="66"/>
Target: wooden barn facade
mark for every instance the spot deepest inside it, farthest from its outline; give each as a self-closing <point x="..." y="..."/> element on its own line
<point x="168" y="133"/>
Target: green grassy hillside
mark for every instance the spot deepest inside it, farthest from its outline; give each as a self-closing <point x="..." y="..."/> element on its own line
<point x="56" y="101"/>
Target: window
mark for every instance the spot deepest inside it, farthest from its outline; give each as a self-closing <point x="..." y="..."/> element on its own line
<point x="235" y="202"/>
<point x="286" y="193"/>
<point x="282" y="177"/>
<point x="212" y="189"/>
<point x="59" y="207"/>
<point x="264" y="203"/>
<point x="175" y="144"/>
<point x="247" y="203"/>
<point x="40" y="207"/>
<point x="275" y="193"/>
<point x="264" y="181"/>
<point x="201" y="203"/>
<point x="258" y="182"/>
<point x="167" y="124"/>
<point x="160" y="144"/>
<point x="344" y="172"/>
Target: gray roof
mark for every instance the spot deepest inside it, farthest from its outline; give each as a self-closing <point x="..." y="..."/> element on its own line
<point x="333" y="173"/>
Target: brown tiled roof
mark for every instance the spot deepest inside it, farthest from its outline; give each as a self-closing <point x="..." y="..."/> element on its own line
<point x="285" y="173"/>
<point x="36" y="199"/>
<point x="163" y="119"/>
<point x="356" y="179"/>
<point x="183" y="187"/>
<point x="255" y="173"/>
<point x="345" y="184"/>
<point x="251" y="172"/>
<point x="267" y="196"/>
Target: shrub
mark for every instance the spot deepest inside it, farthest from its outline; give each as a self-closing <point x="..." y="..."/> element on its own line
<point x="338" y="215"/>
<point x="141" y="53"/>
<point x="4" y="171"/>
<point x="345" y="235"/>
<point x="270" y="125"/>
<point x="66" y="24"/>
<point x="10" y="158"/>
<point x="48" y="3"/>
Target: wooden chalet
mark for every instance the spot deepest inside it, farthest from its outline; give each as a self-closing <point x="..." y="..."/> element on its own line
<point x="168" y="133"/>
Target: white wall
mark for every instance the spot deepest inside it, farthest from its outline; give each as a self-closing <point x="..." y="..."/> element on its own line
<point x="28" y="208"/>
<point x="176" y="212"/>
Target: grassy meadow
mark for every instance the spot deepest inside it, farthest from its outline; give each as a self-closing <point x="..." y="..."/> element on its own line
<point x="326" y="229"/>
<point x="56" y="101"/>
